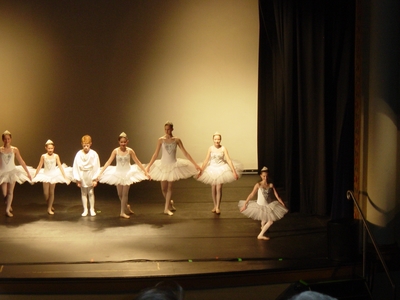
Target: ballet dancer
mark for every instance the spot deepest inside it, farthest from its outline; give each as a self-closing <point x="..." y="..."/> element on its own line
<point x="123" y="174"/>
<point x="218" y="168"/>
<point x="266" y="208"/>
<point x="85" y="170"/>
<point x="169" y="168"/>
<point x="9" y="172"/>
<point x="52" y="173"/>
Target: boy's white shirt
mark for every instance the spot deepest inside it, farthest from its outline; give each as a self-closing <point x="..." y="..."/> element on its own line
<point x="86" y="167"/>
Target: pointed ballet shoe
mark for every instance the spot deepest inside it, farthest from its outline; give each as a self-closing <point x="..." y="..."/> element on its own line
<point x="172" y="207"/>
<point x="129" y="209"/>
<point x="84" y="214"/>
<point x="9" y="214"/>
<point x="168" y="212"/>
<point x="217" y="211"/>
<point x="92" y="212"/>
<point x="124" y="216"/>
<point x="213" y="210"/>
<point x="50" y="212"/>
<point x="265" y="238"/>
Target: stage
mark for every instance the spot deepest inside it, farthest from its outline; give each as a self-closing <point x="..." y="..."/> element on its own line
<point x="194" y="247"/>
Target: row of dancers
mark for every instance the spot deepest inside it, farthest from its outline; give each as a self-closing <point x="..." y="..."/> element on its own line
<point x="216" y="170"/>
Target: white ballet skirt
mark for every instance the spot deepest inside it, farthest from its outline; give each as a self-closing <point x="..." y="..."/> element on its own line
<point x="218" y="171"/>
<point x="123" y="173"/>
<point x="9" y="172"/>
<point x="265" y="208"/>
<point x="170" y="168"/>
<point x="51" y="173"/>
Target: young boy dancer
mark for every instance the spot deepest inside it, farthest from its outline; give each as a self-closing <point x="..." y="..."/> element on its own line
<point x="85" y="170"/>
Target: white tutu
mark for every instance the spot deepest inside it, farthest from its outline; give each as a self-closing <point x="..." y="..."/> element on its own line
<point x="181" y="169"/>
<point x="16" y="174"/>
<point x="9" y="172"/>
<point x="271" y="212"/>
<point x="54" y="175"/>
<point x="117" y="176"/>
<point x="220" y="173"/>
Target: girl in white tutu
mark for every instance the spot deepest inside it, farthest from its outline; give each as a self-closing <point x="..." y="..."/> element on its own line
<point x="52" y="173"/>
<point x="218" y="168"/>
<point x="169" y="168"/>
<point x="9" y="172"/>
<point x="266" y="208"/>
<point x="123" y="174"/>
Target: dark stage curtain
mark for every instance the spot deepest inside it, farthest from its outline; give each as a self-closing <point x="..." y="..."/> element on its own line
<point x="306" y="102"/>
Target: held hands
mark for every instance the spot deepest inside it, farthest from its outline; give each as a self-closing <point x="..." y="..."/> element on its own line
<point x="30" y="179"/>
<point x="200" y="172"/>
<point x="67" y="180"/>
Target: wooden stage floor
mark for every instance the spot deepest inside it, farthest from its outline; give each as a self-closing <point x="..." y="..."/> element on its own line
<point x="192" y="242"/>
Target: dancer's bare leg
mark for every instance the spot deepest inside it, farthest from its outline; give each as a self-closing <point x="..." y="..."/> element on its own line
<point x="166" y="188"/>
<point x="8" y="193"/>
<point x="218" y="198"/>
<point x="263" y="230"/>
<point x="214" y="197"/>
<point x="48" y="192"/>
<point x="123" y="192"/>
<point x="4" y="187"/>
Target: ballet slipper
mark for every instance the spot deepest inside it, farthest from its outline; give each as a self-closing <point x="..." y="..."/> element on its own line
<point x="265" y="238"/>
<point x="217" y="211"/>
<point x="129" y="209"/>
<point x="5" y="202"/>
<point x="168" y="212"/>
<point x="52" y="208"/>
<point x="213" y="210"/>
<point x="85" y="212"/>
<point x="50" y="212"/>
<point x="172" y="207"/>
<point x="125" y="216"/>
<point x="10" y="206"/>
<point x="9" y="214"/>
<point x="92" y="212"/>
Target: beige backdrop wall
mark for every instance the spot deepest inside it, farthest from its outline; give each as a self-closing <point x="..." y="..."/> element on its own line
<point x="70" y="68"/>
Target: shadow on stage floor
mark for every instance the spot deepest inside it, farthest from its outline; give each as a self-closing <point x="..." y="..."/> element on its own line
<point x="193" y="247"/>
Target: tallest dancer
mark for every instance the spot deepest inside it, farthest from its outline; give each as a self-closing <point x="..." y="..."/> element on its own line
<point x="169" y="168"/>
